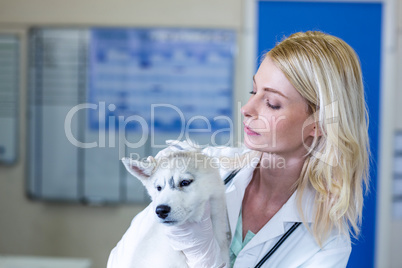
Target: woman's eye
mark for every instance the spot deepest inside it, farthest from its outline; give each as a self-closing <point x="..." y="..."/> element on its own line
<point x="252" y="92"/>
<point x="274" y="107"/>
<point x="185" y="183"/>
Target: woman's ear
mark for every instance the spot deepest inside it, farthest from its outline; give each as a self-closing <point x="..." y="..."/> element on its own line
<point x="311" y="127"/>
<point x="316" y="130"/>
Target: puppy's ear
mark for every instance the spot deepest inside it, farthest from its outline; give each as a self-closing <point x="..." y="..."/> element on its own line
<point x="140" y="169"/>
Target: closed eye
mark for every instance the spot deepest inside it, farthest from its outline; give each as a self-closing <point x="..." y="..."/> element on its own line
<point x="274" y="107"/>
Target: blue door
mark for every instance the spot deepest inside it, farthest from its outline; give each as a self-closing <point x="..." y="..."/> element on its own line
<point x="359" y="24"/>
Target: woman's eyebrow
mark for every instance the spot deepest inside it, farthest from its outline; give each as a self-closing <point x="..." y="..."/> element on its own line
<point x="271" y="89"/>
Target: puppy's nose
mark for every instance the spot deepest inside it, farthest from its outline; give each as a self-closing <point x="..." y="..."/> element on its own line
<point x="162" y="211"/>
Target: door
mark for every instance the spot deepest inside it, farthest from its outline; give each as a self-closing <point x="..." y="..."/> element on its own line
<point x="359" y="24"/>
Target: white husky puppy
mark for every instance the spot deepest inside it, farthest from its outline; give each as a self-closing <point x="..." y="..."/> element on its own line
<point x="180" y="185"/>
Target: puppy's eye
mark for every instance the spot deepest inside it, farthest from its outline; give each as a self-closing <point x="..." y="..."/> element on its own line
<point x="185" y="183"/>
<point x="159" y="188"/>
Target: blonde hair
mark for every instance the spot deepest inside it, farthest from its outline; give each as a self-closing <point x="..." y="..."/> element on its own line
<point x="326" y="72"/>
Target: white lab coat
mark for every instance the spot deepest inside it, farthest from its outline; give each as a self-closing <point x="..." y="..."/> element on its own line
<point x="299" y="250"/>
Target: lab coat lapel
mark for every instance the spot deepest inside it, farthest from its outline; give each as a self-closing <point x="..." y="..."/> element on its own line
<point x="274" y="228"/>
<point x="233" y="201"/>
<point x="235" y="192"/>
<point x="288" y="213"/>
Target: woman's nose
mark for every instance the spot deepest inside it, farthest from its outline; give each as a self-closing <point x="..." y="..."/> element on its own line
<point x="248" y="109"/>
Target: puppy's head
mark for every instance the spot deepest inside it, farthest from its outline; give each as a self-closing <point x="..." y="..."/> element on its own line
<point x="179" y="184"/>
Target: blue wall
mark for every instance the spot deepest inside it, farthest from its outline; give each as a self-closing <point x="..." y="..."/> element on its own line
<point x="359" y="24"/>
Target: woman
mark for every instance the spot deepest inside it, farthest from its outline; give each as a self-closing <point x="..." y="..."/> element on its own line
<point x="307" y="117"/>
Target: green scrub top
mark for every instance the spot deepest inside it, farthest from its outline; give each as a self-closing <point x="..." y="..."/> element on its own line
<point x="238" y="243"/>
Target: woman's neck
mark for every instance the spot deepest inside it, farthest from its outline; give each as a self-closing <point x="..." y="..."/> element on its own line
<point x="270" y="188"/>
<point x="276" y="176"/>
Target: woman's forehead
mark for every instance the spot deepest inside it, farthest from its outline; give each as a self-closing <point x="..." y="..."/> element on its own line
<point x="271" y="79"/>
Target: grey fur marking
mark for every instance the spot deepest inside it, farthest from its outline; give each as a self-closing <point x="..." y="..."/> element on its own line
<point x="171" y="183"/>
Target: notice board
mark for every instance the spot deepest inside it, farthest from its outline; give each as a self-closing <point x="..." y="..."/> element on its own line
<point x="99" y="94"/>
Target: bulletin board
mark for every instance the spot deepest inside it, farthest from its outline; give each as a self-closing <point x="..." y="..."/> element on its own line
<point x="134" y="69"/>
<point x="99" y="94"/>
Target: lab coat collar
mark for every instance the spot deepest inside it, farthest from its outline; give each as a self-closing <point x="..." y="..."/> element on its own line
<point x="235" y="192"/>
<point x="289" y="213"/>
<point x="276" y="226"/>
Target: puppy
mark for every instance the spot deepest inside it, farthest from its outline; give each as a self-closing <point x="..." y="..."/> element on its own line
<point x="180" y="186"/>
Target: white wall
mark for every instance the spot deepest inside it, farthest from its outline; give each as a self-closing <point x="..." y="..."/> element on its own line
<point x="36" y="228"/>
<point x="218" y="13"/>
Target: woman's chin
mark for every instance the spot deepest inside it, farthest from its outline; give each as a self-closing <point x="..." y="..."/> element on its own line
<point x="255" y="146"/>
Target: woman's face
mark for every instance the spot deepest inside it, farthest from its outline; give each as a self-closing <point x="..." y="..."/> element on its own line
<point x="275" y="114"/>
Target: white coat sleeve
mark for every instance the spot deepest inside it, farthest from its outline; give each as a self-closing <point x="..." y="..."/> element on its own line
<point x="120" y="256"/>
<point x="333" y="255"/>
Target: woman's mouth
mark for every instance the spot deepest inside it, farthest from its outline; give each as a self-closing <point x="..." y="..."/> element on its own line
<point x="250" y="132"/>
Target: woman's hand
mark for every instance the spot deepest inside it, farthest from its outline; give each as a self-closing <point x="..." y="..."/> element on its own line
<point x="196" y="240"/>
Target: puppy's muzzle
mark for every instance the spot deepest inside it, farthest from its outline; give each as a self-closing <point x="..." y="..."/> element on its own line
<point x="162" y="211"/>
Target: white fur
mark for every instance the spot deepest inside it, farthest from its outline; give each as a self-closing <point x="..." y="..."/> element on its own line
<point x="187" y="203"/>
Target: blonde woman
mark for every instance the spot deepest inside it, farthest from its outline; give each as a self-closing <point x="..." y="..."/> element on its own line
<point x="298" y="204"/>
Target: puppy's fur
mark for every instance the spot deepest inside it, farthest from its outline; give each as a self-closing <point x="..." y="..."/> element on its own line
<point x="180" y="185"/>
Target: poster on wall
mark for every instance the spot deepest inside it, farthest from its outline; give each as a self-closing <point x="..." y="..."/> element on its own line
<point x="161" y="78"/>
